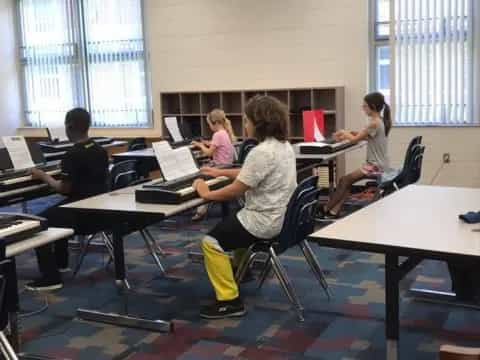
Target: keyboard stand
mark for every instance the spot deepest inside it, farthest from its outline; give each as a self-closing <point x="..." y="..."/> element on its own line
<point x="125" y="319"/>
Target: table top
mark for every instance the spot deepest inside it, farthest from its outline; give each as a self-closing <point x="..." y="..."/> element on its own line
<point x="123" y="202"/>
<point x="418" y="219"/>
<point x="39" y="239"/>
<point x="327" y="157"/>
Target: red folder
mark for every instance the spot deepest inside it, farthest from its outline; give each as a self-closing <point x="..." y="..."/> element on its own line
<point x="313" y="125"/>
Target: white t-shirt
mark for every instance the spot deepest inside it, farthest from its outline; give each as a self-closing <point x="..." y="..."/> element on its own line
<point x="269" y="170"/>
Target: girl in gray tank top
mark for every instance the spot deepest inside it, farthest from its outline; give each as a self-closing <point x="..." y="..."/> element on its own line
<point x="375" y="133"/>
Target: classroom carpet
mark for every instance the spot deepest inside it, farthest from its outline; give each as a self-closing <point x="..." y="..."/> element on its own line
<point x="349" y="326"/>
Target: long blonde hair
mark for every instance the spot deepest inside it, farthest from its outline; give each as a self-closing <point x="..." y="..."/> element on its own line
<point x="218" y="117"/>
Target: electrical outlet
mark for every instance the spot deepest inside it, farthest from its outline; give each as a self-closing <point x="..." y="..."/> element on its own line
<point x="446" y="158"/>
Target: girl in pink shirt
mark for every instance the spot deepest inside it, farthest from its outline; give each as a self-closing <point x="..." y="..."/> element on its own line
<point x="220" y="148"/>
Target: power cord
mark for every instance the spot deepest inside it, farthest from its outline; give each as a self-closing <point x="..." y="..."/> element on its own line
<point x="438" y="173"/>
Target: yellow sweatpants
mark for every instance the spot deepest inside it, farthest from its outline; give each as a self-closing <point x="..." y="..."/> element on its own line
<point x="219" y="270"/>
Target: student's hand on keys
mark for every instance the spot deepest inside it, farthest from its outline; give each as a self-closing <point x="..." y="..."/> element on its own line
<point x="210" y="171"/>
<point x="196" y="143"/>
<point x="200" y="186"/>
<point x="37" y="174"/>
<point x="339" y="135"/>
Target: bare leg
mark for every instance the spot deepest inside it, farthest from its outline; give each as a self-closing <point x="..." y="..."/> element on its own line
<point x="343" y="191"/>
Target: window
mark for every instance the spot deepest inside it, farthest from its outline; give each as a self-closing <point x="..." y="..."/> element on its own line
<point x="87" y="53"/>
<point x="381" y="35"/>
<point x="433" y="48"/>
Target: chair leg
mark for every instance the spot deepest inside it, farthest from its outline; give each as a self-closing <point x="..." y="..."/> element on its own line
<point x="286" y="284"/>
<point x="108" y="244"/>
<point x="151" y="248"/>
<point x="315" y="266"/>
<point x="244" y="265"/>
<point x="82" y="254"/>
<point x="265" y="272"/>
<point x="157" y="247"/>
<point x="6" y="349"/>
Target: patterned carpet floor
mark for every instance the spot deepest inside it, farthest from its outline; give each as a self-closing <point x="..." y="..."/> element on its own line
<point x="350" y="326"/>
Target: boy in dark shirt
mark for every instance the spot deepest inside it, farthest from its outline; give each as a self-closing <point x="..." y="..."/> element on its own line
<point x="84" y="173"/>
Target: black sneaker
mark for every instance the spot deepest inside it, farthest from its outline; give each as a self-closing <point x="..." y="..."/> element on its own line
<point x="223" y="309"/>
<point x="43" y="284"/>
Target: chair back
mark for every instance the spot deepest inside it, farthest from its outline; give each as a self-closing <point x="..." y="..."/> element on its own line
<point x="409" y="154"/>
<point x="246" y="146"/>
<point x="415" y="167"/>
<point x="123" y="174"/>
<point x="137" y="144"/>
<point x="299" y="217"/>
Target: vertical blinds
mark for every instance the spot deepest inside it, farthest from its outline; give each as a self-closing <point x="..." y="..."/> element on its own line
<point x="433" y="55"/>
<point x="86" y="53"/>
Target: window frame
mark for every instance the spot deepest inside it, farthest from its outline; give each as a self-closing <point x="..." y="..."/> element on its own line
<point x="379" y="41"/>
<point x="81" y="56"/>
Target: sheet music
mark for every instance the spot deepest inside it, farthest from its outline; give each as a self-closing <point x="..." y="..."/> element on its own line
<point x="161" y="146"/>
<point x="18" y="151"/>
<point x="317" y="134"/>
<point x="172" y="126"/>
<point x="175" y="163"/>
<point x="58" y="133"/>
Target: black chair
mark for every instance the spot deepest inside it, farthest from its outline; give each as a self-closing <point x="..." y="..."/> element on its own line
<point x="393" y="180"/>
<point x="124" y="174"/>
<point x="139" y="143"/>
<point x="297" y="225"/>
<point x="246" y="146"/>
<point x="410" y="173"/>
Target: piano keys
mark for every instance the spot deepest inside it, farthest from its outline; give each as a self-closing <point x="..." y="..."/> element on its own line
<point x="11" y="180"/>
<point x="16" y="227"/>
<point x="175" y="192"/>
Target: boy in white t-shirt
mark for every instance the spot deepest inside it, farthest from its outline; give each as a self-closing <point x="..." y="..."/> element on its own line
<point x="267" y="179"/>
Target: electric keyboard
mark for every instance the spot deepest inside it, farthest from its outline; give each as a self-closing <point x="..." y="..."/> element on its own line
<point x="175" y="192"/>
<point x="321" y="148"/>
<point x="15" y="179"/>
<point x="16" y="227"/>
<point x="56" y="146"/>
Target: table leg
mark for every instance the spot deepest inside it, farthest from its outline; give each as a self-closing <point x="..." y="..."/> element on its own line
<point x="12" y="302"/>
<point x="331" y="176"/>
<point x="13" y="307"/>
<point x="392" y="306"/>
<point x="123" y="288"/>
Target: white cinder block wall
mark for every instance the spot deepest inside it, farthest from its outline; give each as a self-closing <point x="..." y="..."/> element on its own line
<point x="236" y="44"/>
<point x="241" y="44"/>
<point x="10" y="114"/>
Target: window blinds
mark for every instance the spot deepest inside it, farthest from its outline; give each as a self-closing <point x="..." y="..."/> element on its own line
<point x="86" y="53"/>
<point x="433" y="56"/>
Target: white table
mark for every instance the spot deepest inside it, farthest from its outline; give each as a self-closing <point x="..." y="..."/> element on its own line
<point x="122" y="214"/>
<point x="12" y="250"/>
<point x="418" y="222"/>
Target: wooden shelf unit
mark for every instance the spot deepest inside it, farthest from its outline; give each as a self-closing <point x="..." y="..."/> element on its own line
<point x="191" y="108"/>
